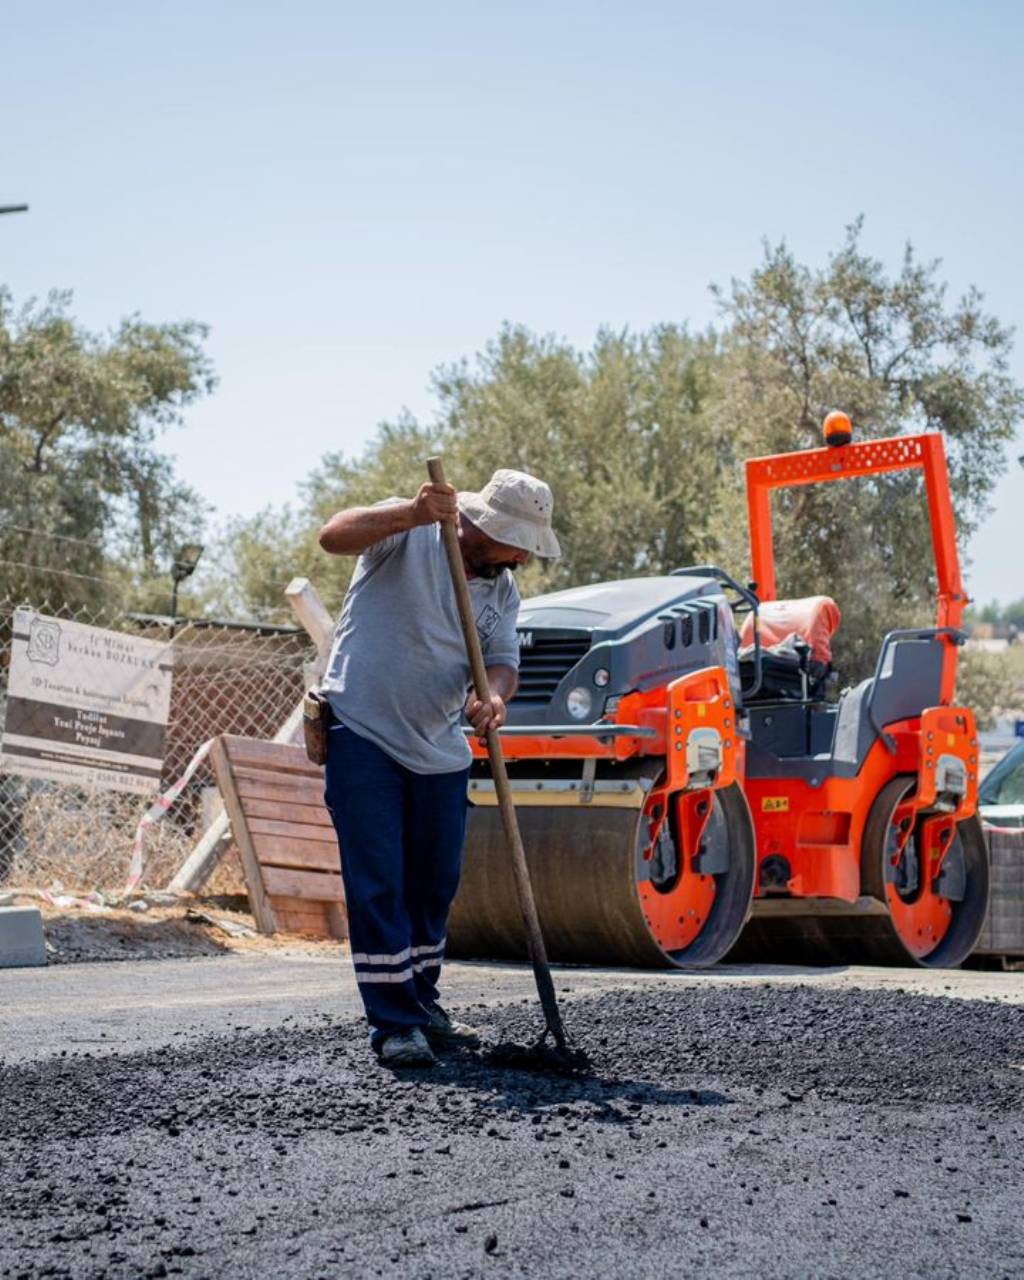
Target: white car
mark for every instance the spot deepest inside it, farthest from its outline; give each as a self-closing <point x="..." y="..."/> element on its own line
<point x="1001" y="794"/>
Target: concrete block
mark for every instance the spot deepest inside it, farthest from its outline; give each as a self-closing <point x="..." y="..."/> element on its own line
<point x="21" y="937"/>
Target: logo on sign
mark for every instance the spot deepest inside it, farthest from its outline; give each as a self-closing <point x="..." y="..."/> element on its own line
<point x="44" y="642"/>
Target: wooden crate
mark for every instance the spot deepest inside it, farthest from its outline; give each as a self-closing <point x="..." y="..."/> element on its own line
<point x="274" y="799"/>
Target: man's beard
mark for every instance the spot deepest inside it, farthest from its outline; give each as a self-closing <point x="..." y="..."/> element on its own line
<point x="491" y="569"/>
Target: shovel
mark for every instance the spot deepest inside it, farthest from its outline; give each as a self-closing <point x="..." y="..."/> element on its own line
<point x="560" y="1057"/>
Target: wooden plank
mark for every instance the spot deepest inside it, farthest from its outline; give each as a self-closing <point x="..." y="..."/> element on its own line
<point x="278" y="811"/>
<point x="305" y="926"/>
<point x="262" y="783"/>
<point x="298" y="904"/>
<point x="278" y="756"/>
<point x="310" y="611"/>
<point x="304" y="855"/>
<point x="263" y="912"/>
<point x="295" y="915"/>
<point x="311" y="885"/>
<point x="337" y="920"/>
<point x="291" y="830"/>
<point x="313" y="921"/>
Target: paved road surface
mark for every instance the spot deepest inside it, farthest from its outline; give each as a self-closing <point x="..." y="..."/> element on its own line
<point x="223" y="1117"/>
<point x="127" y="1006"/>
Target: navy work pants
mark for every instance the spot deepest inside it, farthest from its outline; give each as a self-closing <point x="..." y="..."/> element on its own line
<point x="401" y="836"/>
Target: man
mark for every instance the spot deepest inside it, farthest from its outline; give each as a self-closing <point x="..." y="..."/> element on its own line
<point x="398" y="762"/>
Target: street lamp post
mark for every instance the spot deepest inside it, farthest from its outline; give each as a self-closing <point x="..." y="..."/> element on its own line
<point x="184" y="566"/>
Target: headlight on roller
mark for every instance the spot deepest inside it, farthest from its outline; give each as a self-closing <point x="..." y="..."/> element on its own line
<point x="601" y="677"/>
<point x="578" y="703"/>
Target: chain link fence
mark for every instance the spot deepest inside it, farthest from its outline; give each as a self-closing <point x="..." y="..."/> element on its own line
<point x="225" y="677"/>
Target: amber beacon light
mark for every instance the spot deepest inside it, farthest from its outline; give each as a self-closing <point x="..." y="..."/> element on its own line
<point x="837" y="428"/>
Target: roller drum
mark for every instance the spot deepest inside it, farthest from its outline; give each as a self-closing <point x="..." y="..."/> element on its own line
<point x="902" y="918"/>
<point x="588" y="872"/>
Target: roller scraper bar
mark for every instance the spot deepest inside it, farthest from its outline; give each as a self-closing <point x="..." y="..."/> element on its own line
<point x="572" y="731"/>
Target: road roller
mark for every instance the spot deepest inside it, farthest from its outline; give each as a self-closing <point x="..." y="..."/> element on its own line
<point x="694" y="783"/>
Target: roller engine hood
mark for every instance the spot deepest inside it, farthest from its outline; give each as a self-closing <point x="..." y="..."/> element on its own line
<point x="599" y="642"/>
<point x="612" y="609"/>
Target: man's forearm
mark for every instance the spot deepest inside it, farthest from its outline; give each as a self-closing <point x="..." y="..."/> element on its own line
<point x="348" y="533"/>
<point x="503" y="681"/>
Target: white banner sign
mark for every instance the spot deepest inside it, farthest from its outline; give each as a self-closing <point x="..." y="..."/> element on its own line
<point x="86" y="706"/>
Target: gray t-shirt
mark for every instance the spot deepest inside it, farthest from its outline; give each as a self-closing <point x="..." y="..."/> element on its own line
<point x="398" y="672"/>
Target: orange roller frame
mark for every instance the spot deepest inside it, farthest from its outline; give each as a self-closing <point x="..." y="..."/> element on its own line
<point x="845" y="462"/>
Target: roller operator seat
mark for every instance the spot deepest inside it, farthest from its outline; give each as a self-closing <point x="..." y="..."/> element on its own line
<point x="796" y="647"/>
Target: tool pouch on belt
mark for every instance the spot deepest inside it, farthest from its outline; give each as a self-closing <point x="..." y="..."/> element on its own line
<point x="316" y="720"/>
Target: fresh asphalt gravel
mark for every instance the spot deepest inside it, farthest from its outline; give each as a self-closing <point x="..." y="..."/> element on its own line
<point x="728" y="1130"/>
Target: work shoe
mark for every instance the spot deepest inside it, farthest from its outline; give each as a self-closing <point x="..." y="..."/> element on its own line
<point x="406" y="1049"/>
<point x="443" y="1031"/>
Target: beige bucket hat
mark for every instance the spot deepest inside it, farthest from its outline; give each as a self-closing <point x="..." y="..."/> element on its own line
<point x="514" y="508"/>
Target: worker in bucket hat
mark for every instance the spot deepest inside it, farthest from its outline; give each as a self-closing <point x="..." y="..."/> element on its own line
<point x="397" y="772"/>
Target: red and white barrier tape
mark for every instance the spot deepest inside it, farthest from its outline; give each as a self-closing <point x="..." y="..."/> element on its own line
<point x="156" y="811"/>
<point x="91" y="902"/>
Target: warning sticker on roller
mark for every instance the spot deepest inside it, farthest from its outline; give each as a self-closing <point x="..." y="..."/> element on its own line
<point x="775" y="804"/>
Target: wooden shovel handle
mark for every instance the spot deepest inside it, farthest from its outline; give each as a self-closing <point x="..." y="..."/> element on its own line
<point x="520" y="871"/>
<point x="435" y="470"/>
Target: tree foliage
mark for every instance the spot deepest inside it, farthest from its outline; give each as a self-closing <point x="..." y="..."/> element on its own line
<point x="1001" y="617"/>
<point x="992" y="683"/>
<point x="608" y="431"/>
<point x="604" y="429"/>
<point x="80" y="417"/>
<point x="643" y="436"/>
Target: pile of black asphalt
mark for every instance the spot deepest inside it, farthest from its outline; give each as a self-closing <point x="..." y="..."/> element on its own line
<point x="756" y="1131"/>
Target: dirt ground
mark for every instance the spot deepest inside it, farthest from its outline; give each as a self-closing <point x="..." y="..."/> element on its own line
<point x="78" y="931"/>
<point x="217" y="1116"/>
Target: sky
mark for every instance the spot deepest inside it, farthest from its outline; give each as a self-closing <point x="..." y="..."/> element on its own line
<point x="351" y="195"/>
